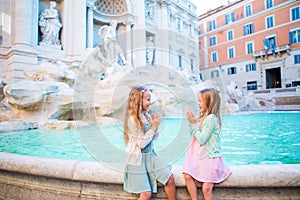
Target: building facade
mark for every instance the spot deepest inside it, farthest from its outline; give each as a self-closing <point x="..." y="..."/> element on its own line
<point x="255" y="43"/>
<point x="160" y="32"/>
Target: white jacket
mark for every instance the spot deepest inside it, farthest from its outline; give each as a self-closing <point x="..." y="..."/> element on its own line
<point x="137" y="141"/>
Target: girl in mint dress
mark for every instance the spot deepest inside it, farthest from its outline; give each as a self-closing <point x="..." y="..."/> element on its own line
<point x="143" y="168"/>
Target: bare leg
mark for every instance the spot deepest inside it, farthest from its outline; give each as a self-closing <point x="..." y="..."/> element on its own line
<point x="207" y="191"/>
<point x="170" y="188"/>
<point x="145" y="196"/>
<point x="191" y="186"/>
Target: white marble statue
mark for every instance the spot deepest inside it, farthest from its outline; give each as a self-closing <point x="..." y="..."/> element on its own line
<point x="50" y="25"/>
<point x="150" y="51"/>
<point x="110" y="44"/>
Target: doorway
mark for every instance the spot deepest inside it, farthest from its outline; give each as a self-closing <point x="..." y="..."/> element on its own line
<point x="273" y="78"/>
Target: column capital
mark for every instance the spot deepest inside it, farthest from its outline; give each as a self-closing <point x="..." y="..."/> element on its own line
<point x="163" y="2"/>
<point x="90" y="4"/>
<point x="129" y="22"/>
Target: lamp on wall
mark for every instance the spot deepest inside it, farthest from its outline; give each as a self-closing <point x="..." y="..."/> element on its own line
<point x="220" y="67"/>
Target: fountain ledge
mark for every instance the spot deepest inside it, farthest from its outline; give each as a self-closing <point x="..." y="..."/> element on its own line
<point x="28" y="177"/>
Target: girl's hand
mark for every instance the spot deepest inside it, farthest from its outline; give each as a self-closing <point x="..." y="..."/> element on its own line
<point x="155" y="121"/>
<point x="191" y="117"/>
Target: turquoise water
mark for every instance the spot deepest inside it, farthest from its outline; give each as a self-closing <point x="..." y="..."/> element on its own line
<point x="255" y="138"/>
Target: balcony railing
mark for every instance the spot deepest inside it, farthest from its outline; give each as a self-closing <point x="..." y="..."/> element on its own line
<point x="275" y="50"/>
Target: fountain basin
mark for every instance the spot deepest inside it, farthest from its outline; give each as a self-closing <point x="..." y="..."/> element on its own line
<point x="28" y="177"/>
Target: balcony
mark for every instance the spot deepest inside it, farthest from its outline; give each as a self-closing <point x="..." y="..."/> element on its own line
<point x="273" y="51"/>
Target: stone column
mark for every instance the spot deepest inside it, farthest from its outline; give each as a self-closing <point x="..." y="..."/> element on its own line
<point x="128" y="52"/>
<point x="139" y="35"/>
<point x="74" y="31"/>
<point x="283" y="74"/>
<point x="90" y="23"/>
<point x="22" y="57"/>
<point x="262" y="77"/>
<point x="22" y="26"/>
<point x="162" y="42"/>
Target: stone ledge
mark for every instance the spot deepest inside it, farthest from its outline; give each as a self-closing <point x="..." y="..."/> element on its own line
<point x="279" y="175"/>
<point x="261" y="91"/>
<point x="286" y="90"/>
<point x="27" y="177"/>
<point x="292" y="100"/>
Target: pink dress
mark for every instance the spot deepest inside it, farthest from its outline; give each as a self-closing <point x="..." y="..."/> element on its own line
<point x="202" y="168"/>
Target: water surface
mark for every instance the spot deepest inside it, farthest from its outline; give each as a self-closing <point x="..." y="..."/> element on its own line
<point x="252" y="138"/>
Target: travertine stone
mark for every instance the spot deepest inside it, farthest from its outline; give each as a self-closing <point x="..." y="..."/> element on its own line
<point x="25" y="177"/>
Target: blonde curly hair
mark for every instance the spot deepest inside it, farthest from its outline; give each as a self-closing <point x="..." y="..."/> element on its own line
<point x="134" y="108"/>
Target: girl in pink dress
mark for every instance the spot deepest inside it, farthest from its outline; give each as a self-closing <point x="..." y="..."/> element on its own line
<point x="203" y="160"/>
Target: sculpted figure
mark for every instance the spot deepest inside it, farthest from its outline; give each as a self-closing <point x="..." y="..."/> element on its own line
<point x="50" y="25"/>
<point x="110" y="44"/>
<point x="150" y="51"/>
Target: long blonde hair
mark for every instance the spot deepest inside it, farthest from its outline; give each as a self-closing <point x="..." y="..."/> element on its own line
<point x="212" y="101"/>
<point x="134" y="109"/>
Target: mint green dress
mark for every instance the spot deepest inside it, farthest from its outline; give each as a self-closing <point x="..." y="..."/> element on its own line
<point x="138" y="179"/>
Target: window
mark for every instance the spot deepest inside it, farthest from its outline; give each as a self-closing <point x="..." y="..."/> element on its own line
<point x="297" y="59"/>
<point x="1" y="38"/>
<point x="249" y="47"/>
<point x="190" y="30"/>
<point x="231" y="70"/>
<point x="192" y="65"/>
<point x="180" y="62"/>
<point x="249" y="29"/>
<point x="288" y="85"/>
<point x="252" y="85"/>
<point x="269" y="22"/>
<point x="295" y="36"/>
<point x="230" y="35"/>
<point x="178" y="24"/>
<point x="231" y="52"/>
<point x="295" y="83"/>
<point x="251" y="67"/>
<point x="295" y="13"/>
<point x="214" y="73"/>
<point x="214" y="56"/>
<point x="213" y="41"/>
<point x="269" y="4"/>
<point x="212" y="25"/>
<point x="248" y="10"/>
<point x="229" y="18"/>
<point x="272" y="43"/>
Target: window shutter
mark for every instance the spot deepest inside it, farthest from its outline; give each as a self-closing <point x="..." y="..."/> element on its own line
<point x="291" y="37"/>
